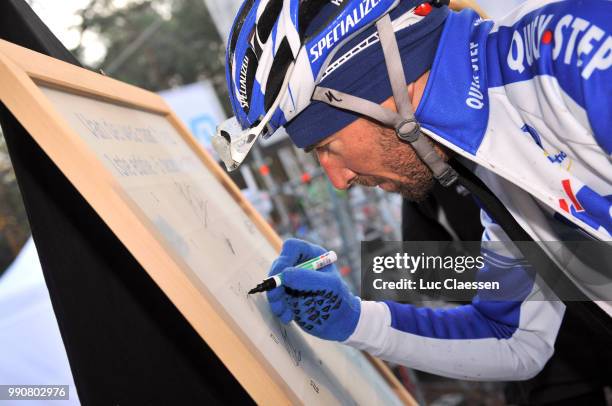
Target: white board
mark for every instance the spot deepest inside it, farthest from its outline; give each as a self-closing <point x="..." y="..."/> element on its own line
<point x="224" y="253"/>
<point x="198" y="107"/>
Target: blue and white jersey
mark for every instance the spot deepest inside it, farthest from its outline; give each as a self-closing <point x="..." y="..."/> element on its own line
<point x="529" y="100"/>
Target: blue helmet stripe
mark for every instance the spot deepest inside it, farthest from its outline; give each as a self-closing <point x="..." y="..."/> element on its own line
<point x="291" y="96"/>
<point x="257" y="103"/>
<point x="274" y="30"/>
<point x="278" y="118"/>
<point x="239" y="54"/>
<point x="294" y="9"/>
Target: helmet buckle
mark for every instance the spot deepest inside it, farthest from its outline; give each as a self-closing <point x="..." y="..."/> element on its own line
<point x="408" y="130"/>
<point x="448" y="177"/>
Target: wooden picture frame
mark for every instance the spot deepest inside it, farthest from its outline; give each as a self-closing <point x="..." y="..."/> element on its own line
<point x="27" y="79"/>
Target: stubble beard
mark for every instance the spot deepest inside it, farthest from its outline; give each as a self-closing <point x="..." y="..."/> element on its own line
<point x="401" y="159"/>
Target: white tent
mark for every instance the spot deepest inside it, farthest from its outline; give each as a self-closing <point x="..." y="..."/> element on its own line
<point x="31" y="349"/>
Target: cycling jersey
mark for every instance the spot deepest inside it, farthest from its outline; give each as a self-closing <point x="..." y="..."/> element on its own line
<point x="527" y="101"/>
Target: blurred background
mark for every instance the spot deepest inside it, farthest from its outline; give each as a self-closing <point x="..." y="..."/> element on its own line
<point x="177" y="48"/>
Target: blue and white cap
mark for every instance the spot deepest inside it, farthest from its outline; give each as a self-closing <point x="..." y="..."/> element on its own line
<point x="357" y="70"/>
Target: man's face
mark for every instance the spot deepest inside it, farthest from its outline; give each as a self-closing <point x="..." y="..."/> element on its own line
<point x="365" y="153"/>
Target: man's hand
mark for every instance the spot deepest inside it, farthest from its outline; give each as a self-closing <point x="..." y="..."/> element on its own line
<point x="319" y="301"/>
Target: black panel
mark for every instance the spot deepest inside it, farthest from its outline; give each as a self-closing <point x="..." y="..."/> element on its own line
<point x="126" y="342"/>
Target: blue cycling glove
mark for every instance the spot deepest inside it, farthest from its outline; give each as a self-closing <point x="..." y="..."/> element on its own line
<point x="318" y="301"/>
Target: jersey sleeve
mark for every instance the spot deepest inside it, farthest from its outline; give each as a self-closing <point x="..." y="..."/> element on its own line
<point x="484" y="340"/>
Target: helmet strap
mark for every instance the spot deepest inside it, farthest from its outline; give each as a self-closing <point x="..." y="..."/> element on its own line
<point x="403" y="121"/>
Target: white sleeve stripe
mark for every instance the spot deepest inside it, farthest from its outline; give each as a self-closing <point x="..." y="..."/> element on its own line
<point x="372" y="328"/>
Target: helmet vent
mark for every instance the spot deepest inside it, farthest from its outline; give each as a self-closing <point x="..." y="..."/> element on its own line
<point x="282" y="60"/>
<point x="238" y="23"/>
<point x="318" y="16"/>
<point x="268" y="19"/>
<point x="308" y="11"/>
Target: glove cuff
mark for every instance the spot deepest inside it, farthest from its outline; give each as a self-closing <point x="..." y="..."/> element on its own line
<point x="374" y="320"/>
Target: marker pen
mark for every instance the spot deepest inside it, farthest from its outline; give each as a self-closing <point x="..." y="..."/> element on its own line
<point x="312" y="264"/>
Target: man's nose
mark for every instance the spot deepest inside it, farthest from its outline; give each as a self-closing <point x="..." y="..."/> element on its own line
<point x="339" y="175"/>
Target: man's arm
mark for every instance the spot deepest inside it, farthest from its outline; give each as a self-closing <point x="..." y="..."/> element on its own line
<point x="462" y="343"/>
<point x="485" y="340"/>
